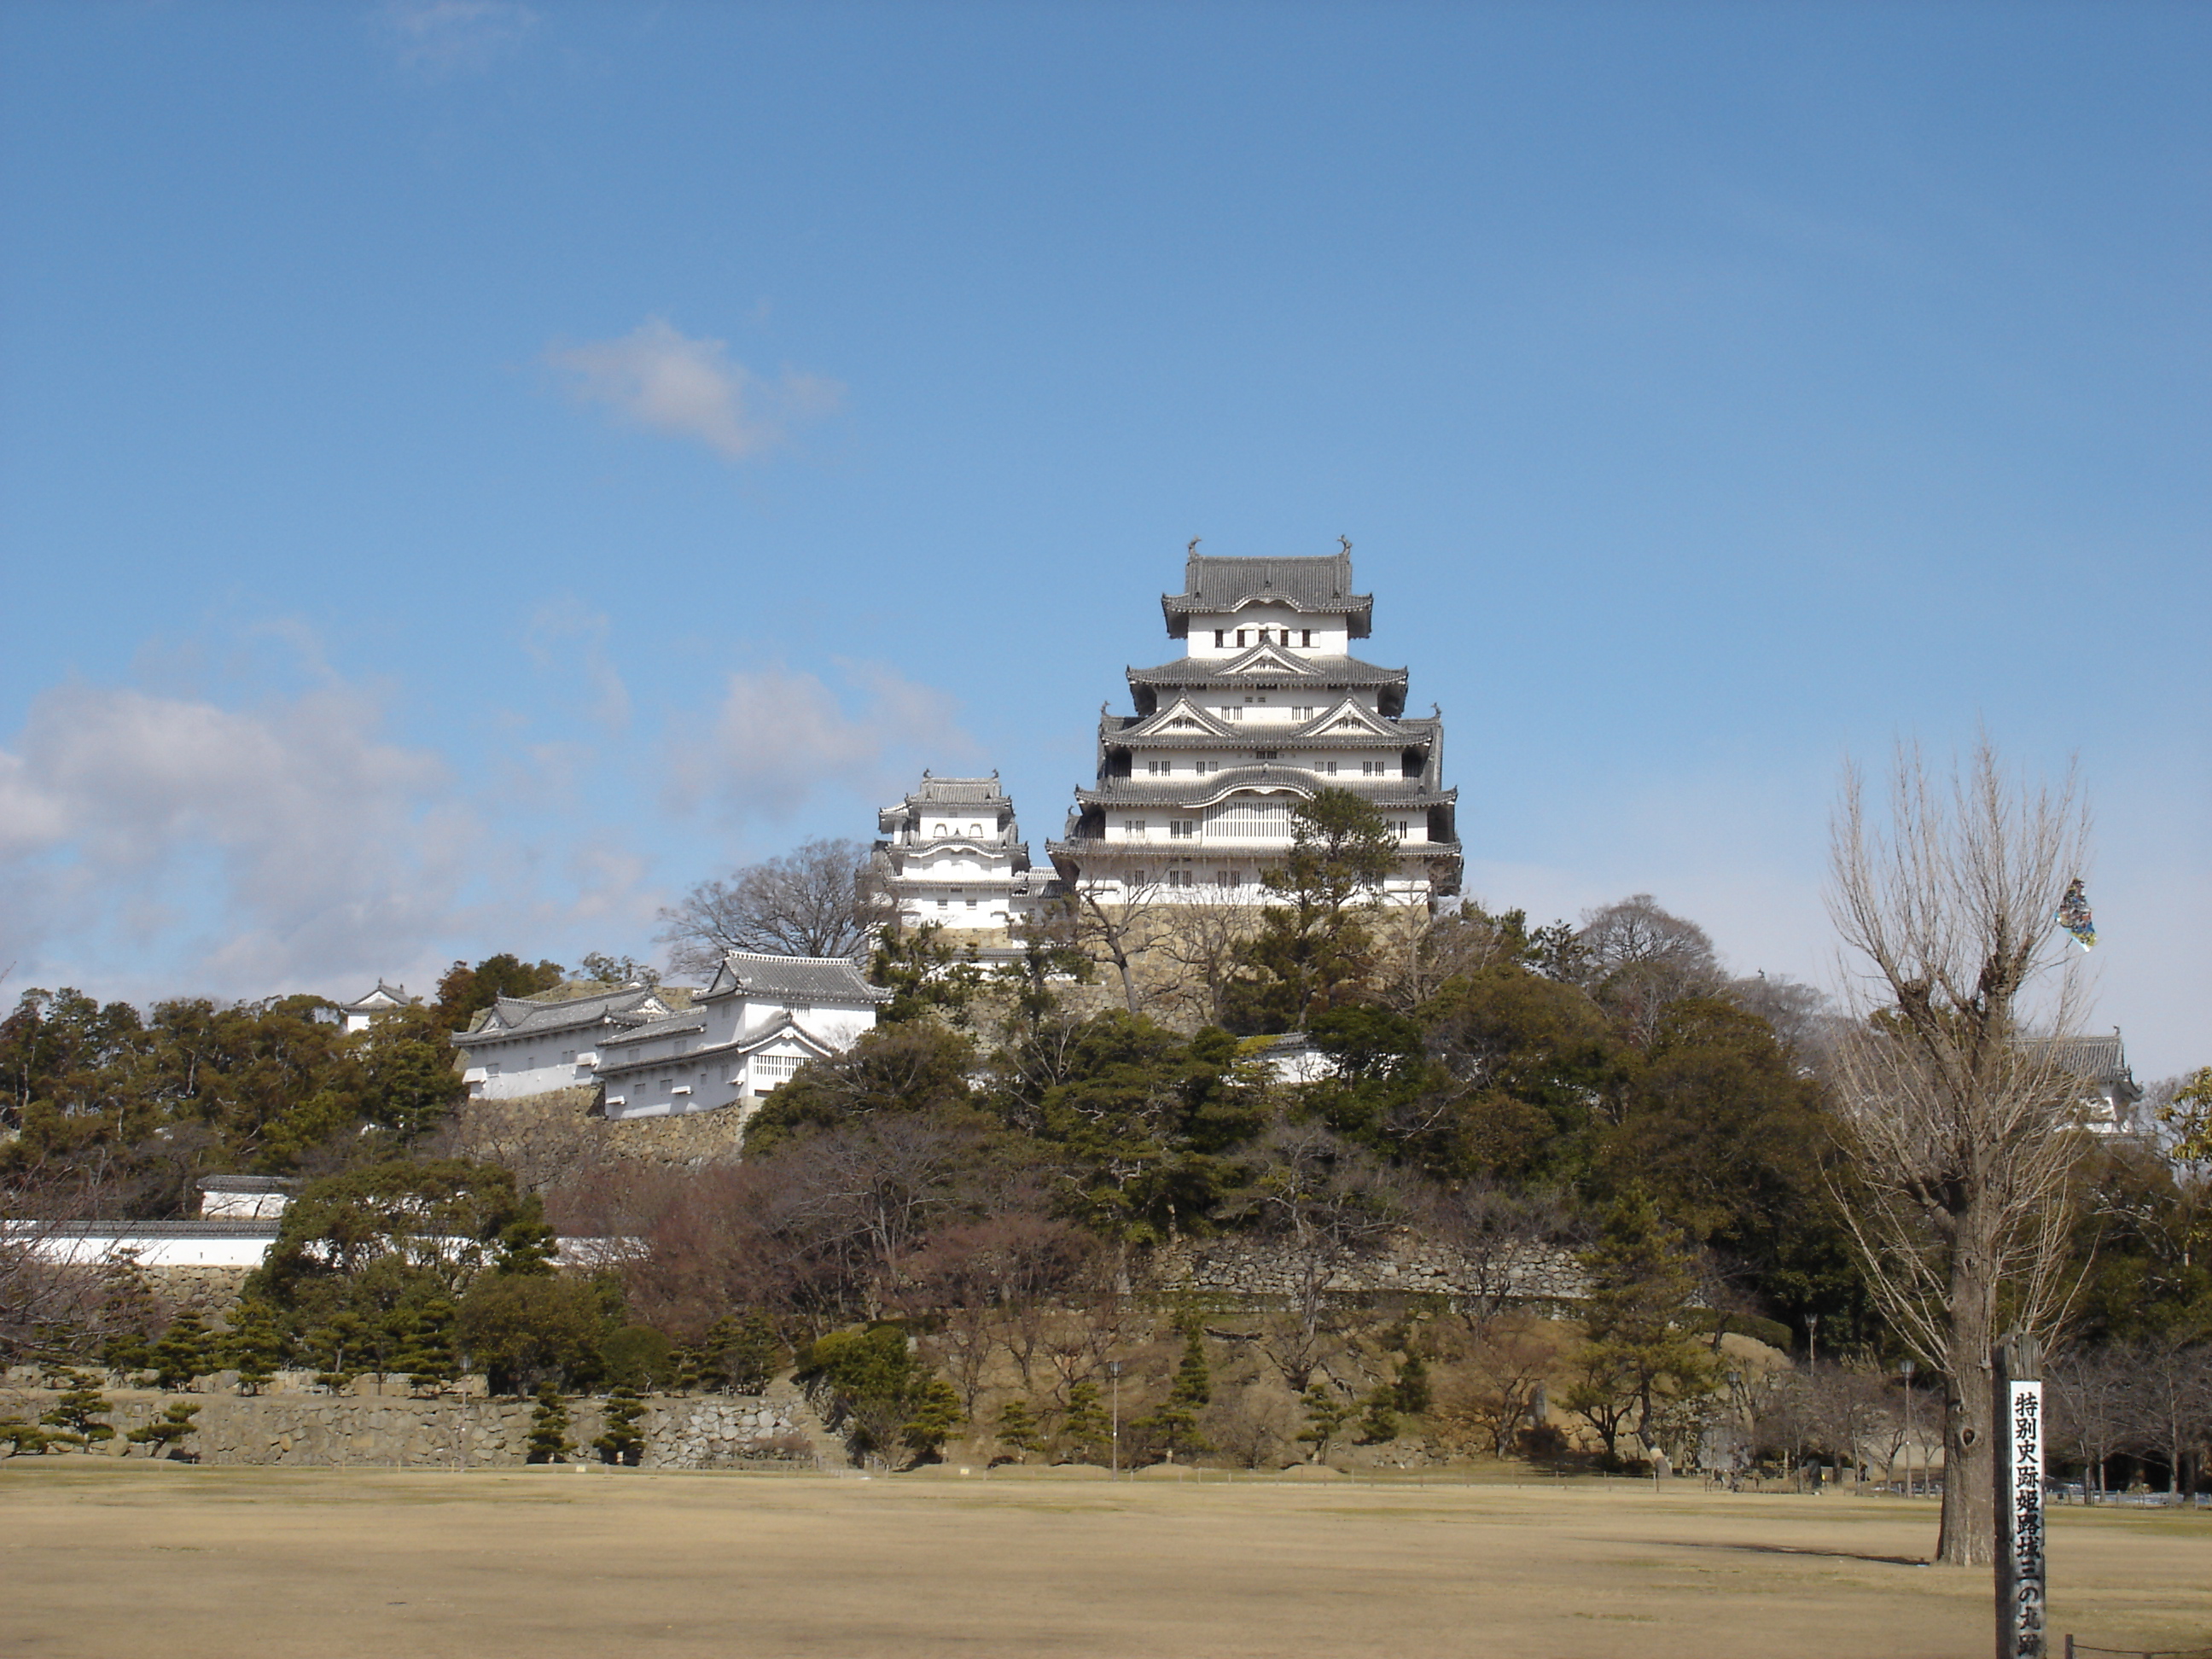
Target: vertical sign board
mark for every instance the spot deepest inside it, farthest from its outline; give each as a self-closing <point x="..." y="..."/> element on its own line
<point x="2020" y="1503"/>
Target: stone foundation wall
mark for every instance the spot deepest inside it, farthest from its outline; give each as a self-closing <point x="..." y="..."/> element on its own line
<point x="395" y="1430"/>
<point x="1407" y="1265"/>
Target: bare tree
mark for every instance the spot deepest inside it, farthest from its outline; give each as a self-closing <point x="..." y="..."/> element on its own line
<point x="1638" y="960"/>
<point x="820" y="900"/>
<point x="1119" y="922"/>
<point x="1508" y="1359"/>
<point x="1949" y="1085"/>
<point x="1196" y="943"/>
<point x="2092" y="1410"/>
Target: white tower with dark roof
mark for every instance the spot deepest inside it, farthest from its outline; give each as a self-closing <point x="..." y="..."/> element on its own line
<point x="1266" y="707"/>
<point x="953" y="854"/>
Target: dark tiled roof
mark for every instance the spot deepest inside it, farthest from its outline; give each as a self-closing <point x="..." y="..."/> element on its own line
<point x="158" y="1228"/>
<point x="1320" y="587"/>
<point x="233" y="1183"/>
<point x="522" y="1017"/>
<point x="1206" y="791"/>
<point x="796" y="979"/>
<point x="1214" y="671"/>
<point x="965" y="792"/>
<point x="674" y="1025"/>
<point x="2098" y="1059"/>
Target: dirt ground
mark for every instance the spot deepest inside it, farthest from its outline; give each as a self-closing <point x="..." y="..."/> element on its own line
<point x="103" y="1559"/>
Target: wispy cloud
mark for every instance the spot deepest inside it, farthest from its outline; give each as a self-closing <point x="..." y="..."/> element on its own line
<point x="435" y="38"/>
<point x="666" y="381"/>
<point x="782" y="736"/>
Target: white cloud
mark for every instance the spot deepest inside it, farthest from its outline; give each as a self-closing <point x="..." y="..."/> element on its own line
<point x="656" y="378"/>
<point x="263" y="846"/>
<point x="781" y="735"/>
<point x="438" y="38"/>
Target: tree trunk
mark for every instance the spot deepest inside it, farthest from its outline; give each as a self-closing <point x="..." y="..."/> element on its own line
<point x="1968" y="1537"/>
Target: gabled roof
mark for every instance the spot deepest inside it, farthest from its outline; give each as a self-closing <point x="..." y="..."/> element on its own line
<point x="1318" y="587"/>
<point x="1183" y="717"/>
<point x="1265" y="778"/>
<point x="793" y="979"/>
<point x="384" y="996"/>
<point x="1329" y="670"/>
<point x="2097" y="1059"/>
<point x="512" y="1017"/>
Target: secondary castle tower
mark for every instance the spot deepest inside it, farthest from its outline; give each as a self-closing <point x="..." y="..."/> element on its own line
<point x="1265" y="706"/>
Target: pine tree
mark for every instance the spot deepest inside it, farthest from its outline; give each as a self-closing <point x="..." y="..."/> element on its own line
<point x="127" y="1310"/>
<point x="549" y="1440"/>
<point x="185" y="1351"/>
<point x="75" y="1416"/>
<point x="1018" y="1427"/>
<point x="1087" y="1428"/>
<point x="336" y="1348"/>
<point x="1411" y="1394"/>
<point x="1326" y="1412"/>
<point x="159" y="1435"/>
<point x="1378" y="1417"/>
<point x="256" y="1345"/>
<point x="1175" y="1421"/>
<point x="935" y="1413"/>
<point x="22" y="1438"/>
<point x="622" y="1442"/>
<point x="742" y="1355"/>
<point x="426" y="1347"/>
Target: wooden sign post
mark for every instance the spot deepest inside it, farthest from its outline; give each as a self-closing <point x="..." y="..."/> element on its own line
<point x="2018" y="1373"/>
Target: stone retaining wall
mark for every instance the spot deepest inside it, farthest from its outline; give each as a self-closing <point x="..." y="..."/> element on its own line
<point x="401" y="1431"/>
<point x="1407" y="1265"/>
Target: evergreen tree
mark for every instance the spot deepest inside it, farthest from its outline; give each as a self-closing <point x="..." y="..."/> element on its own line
<point x="1018" y="1428"/>
<point x="76" y="1417"/>
<point x="623" y="1441"/>
<point x="549" y="1441"/>
<point x="1378" y="1414"/>
<point x="185" y="1351"/>
<point x="741" y="1355"/>
<point x="336" y="1348"/>
<point x="426" y="1346"/>
<point x="1314" y="950"/>
<point x="256" y="1347"/>
<point x="1638" y="1359"/>
<point x="1176" y="1419"/>
<point x="1326" y="1412"/>
<point x="127" y="1310"/>
<point x="1411" y="1393"/>
<point x="21" y="1437"/>
<point x="160" y="1436"/>
<point x="936" y="1413"/>
<point x="1087" y="1429"/>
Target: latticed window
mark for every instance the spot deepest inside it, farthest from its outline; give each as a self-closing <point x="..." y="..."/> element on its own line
<point x="1251" y="820"/>
<point x="770" y="1070"/>
<point x="1183" y="829"/>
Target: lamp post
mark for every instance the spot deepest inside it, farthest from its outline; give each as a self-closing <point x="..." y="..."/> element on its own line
<point x="1908" y="1428"/>
<point x="1114" y="1371"/>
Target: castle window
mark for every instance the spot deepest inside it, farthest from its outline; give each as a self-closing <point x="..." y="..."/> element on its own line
<point x="1136" y="879"/>
<point x="1202" y="768"/>
<point x="1302" y="714"/>
<point x="1329" y="769"/>
<point x="1401" y="836"/>
<point x="1218" y="636"/>
<point x="1401" y="827"/>
<point x="1227" y="877"/>
<point x="1240" y="636"/>
<point x="1134" y="828"/>
<point x="1232" y="711"/>
<point x="1179" y="876"/>
<point x="1159" y="769"/>
<point x="1306" y="636"/>
<point x="1182" y="829"/>
<point x="770" y="1070"/>
<point x="1372" y="769"/>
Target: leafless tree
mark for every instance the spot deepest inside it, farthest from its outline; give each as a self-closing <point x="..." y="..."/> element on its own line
<point x="821" y="899"/>
<point x="1119" y="922"/>
<point x="1950" y="1089"/>
<point x="2091" y="1409"/>
<point x="1195" y="944"/>
<point x="1495" y="1235"/>
<point x="1638" y="960"/>
<point x="1417" y="950"/>
<point x="2170" y="1391"/>
<point x="1504" y="1364"/>
<point x="1323" y="1203"/>
<point x="53" y="1285"/>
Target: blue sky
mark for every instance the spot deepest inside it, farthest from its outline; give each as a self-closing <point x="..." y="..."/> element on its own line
<point x="469" y="470"/>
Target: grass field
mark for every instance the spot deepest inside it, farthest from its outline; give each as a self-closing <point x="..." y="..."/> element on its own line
<point x="105" y="1559"/>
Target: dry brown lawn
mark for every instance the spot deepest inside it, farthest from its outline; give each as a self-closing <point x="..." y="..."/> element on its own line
<point x="106" y="1559"/>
